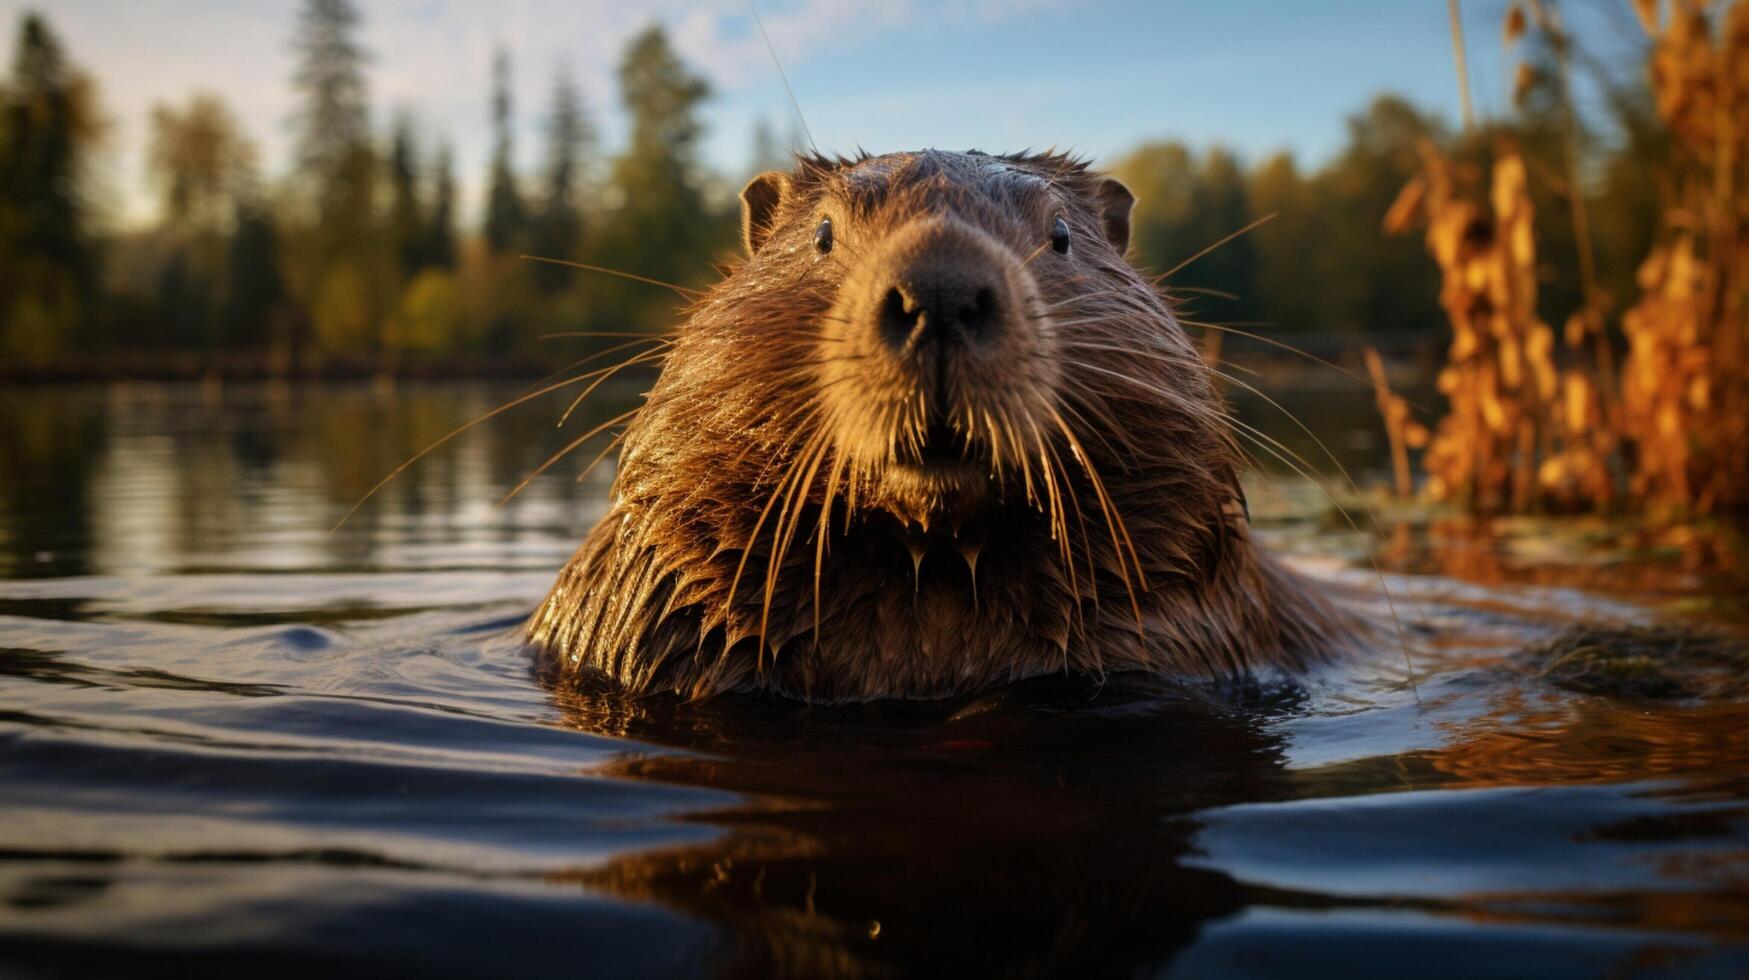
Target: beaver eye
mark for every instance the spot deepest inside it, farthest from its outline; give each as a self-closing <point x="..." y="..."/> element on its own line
<point x="1060" y="235"/>
<point x="823" y="236"/>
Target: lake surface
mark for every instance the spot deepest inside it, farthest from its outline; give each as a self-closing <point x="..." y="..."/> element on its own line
<point x="231" y="739"/>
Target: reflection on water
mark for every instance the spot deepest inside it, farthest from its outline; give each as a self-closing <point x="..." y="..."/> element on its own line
<point x="229" y="737"/>
<point x="150" y="480"/>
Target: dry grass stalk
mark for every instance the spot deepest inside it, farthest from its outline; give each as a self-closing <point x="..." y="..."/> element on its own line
<point x="1403" y="431"/>
<point x="1685" y="385"/>
<point x="1520" y="431"/>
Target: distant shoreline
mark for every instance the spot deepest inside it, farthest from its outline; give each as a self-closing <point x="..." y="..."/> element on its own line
<point x="1414" y="350"/>
<point x="201" y="369"/>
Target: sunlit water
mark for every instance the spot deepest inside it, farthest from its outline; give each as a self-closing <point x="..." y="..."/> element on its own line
<point x="232" y="739"/>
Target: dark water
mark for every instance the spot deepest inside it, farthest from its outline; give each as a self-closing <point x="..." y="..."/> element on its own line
<point x="231" y="739"/>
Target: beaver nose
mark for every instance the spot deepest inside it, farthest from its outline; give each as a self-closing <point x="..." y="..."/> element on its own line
<point x="938" y="306"/>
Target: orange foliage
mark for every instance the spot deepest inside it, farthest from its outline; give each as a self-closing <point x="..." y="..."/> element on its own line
<point x="1519" y="431"/>
<point x="1403" y="431"/>
<point x="1685" y="385"/>
<point x="1525" y="431"/>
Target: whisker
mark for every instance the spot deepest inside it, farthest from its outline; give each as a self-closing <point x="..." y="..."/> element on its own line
<point x="1120" y="535"/>
<point x="685" y="293"/>
<point x="640" y="334"/>
<point x="753" y="536"/>
<point x="616" y="348"/>
<point x="562" y="453"/>
<point x="822" y="530"/>
<point x="1266" y="218"/>
<point x="782" y="535"/>
<point x="1074" y="499"/>
<point x="1083" y="297"/>
<point x="780" y="74"/>
<point x="606" y="373"/>
<point x="617" y="440"/>
<point x="1390" y="601"/>
<point x="1205" y="291"/>
<point x="421" y="454"/>
<point x="1228" y="328"/>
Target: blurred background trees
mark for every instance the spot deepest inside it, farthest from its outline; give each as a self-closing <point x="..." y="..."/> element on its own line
<point x="657" y="220"/>
<point x="558" y="221"/>
<point x="358" y="257"/>
<point x="48" y="258"/>
<point x="204" y="169"/>
<point x="1542" y="409"/>
<point x="1317" y="267"/>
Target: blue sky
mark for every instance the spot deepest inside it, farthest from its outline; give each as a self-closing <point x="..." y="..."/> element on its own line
<point x="1256" y="75"/>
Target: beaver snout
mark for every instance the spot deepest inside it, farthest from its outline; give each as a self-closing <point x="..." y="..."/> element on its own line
<point x="938" y="286"/>
<point x="935" y="361"/>
<point x="939" y="303"/>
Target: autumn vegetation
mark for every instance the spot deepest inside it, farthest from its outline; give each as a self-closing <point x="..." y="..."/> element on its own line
<point x="356" y="257"/>
<point x="1540" y="418"/>
<point x="1584" y="273"/>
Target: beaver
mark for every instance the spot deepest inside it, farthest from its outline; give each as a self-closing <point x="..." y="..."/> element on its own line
<point x="934" y="434"/>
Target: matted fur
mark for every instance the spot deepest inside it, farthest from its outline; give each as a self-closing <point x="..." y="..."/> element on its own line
<point x="1108" y="534"/>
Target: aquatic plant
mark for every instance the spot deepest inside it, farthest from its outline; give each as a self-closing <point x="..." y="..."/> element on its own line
<point x="1519" y="430"/>
<point x="1685" y="385"/>
<point x="1530" y="425"/>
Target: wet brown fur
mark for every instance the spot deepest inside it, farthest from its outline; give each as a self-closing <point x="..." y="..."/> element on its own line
<point x="1104" y="532"/>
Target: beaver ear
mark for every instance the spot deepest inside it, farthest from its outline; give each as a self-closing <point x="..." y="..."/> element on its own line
<point x="760" y="200"/>
<point x="1115" y="202"/>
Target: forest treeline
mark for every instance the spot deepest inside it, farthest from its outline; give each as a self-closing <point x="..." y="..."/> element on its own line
<point x="359" y="257"/>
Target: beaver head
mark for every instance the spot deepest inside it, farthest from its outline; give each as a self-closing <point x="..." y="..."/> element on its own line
<point x="939" y="358"/>
<point x="932" y="435"/>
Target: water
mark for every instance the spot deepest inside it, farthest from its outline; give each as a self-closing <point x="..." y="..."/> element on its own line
<point x="230" y="738"/>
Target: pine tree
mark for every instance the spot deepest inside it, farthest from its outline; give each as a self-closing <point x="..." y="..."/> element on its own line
<point x="769" y="151"/>
<point x="254" y="299"/>
<point x="342" y="269"/>
<point x="203" y="165"/>
<point x="506" y="218"/>
<point x="662" y="228"/>
<point x="335" y="119"/>
<point x="558" y="231"/>
<point x="406" y="220"/>
<point x="439" y="237"/>
<point x="765" y="153"/>
<point x="48" y="271"/>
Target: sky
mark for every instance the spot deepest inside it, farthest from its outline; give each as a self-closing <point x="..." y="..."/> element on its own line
<point x="1093" y="77"/>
